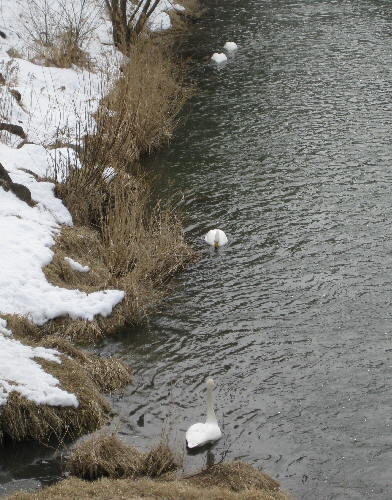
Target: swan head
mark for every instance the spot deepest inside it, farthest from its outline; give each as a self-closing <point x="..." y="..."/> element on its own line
<point x="210" y="382"/>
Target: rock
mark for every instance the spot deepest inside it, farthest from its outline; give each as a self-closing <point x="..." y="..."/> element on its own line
<point x="2" y="79"/>
<point x="22" y="192"/>
<point x="2" y="34"/>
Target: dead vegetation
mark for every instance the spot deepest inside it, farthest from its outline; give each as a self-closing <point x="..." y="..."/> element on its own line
<point x="129" y="241"/>
<point x="118" y="471"/>
<point x="81" y="373"/>
<point x="215" y="483"/>
<point x="236" y="476"/>
<point x="60" y="32"/>
<point x="107" y="456"/>
<point x="62" y="52"/>
<point x="139" y="112"/>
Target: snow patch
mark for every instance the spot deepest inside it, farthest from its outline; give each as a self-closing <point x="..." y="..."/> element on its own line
<point x="76" y="265"/>
<point x="20" y="372"/>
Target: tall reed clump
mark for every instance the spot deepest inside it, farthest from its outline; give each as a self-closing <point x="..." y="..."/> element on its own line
<point x="130" y="240"/>
<point x="139" y="113"/>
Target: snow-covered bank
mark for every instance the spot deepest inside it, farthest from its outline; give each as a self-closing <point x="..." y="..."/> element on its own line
<point x="45" y="106"/>
<point x="31" y="381"/>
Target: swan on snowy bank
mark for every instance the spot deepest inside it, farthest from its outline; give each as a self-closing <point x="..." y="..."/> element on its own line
<point x="201" y="434"/>
<point x="216" y="238"/>
<point x="219" y="57"/>
<point x="230" y="46"/>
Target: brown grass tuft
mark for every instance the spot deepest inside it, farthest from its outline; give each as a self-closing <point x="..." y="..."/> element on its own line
<point x="236" y="476"/>
<point x="62" y="52"/>
<point x="158" y="461"/>
<point x="108" y="374"/>
<point x="105" y="456"/>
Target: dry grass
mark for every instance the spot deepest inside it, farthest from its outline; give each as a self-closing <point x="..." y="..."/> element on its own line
<point x="107" y="456"/>
<point x="158" y="461"/>
<point x="140" y="111"/>
<point x="122" y="471"/>
<point x="83" y="374"/>
<point x="62" y="52"/>
<point x="138" y="251"/>
<point x="120" y="489"/>
<point x="108" y="374"/>
<point x="61" y="31"/>
<point x="130" y="241"/>
<point x="236" y="476"/>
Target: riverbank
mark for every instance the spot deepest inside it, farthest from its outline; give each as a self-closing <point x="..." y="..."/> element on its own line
<point x="104" y="467"/>
<point x="85" y="247"/>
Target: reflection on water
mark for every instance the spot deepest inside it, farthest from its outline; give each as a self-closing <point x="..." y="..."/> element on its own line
<point x="287" y="148"/>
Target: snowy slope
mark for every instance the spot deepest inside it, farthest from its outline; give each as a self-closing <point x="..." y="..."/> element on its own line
<point x="50" y="104"/>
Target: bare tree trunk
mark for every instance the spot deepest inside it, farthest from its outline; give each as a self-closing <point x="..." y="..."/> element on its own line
<point x="127" y="29"/>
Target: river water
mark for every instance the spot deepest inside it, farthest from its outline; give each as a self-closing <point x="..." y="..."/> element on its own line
<point x="287" y="148"/>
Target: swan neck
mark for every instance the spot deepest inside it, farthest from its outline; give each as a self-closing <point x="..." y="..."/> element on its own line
<point x="211" y="418"/>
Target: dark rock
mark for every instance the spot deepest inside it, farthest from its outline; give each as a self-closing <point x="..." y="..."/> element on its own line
<point x="2" y="79"/>
<point x="13" y="129"/>
<point x="22" y="192"/>
<point x="2" y="34"/>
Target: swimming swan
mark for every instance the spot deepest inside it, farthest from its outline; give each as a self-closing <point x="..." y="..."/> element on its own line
<point x="219" y="57"/>
<point x="216" y="238"/>
<point x="230" y="46"/>
<point x="201" y="434"/>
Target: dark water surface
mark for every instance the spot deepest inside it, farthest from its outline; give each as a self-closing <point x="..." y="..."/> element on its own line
<point x="287" y="148"/>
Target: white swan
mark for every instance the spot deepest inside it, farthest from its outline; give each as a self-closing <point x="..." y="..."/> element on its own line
<point x="219" y="57"/>
<point x="201" y="434"/>
<point x="216" y="238"/>
<point x="230" y="46"/>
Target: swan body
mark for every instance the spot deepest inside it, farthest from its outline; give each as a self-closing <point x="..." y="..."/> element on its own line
<point x="201" y="434"/>
<point x="230" y="46"/>
<point x="216" y="238"/>
<point x="219" y="57"/>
